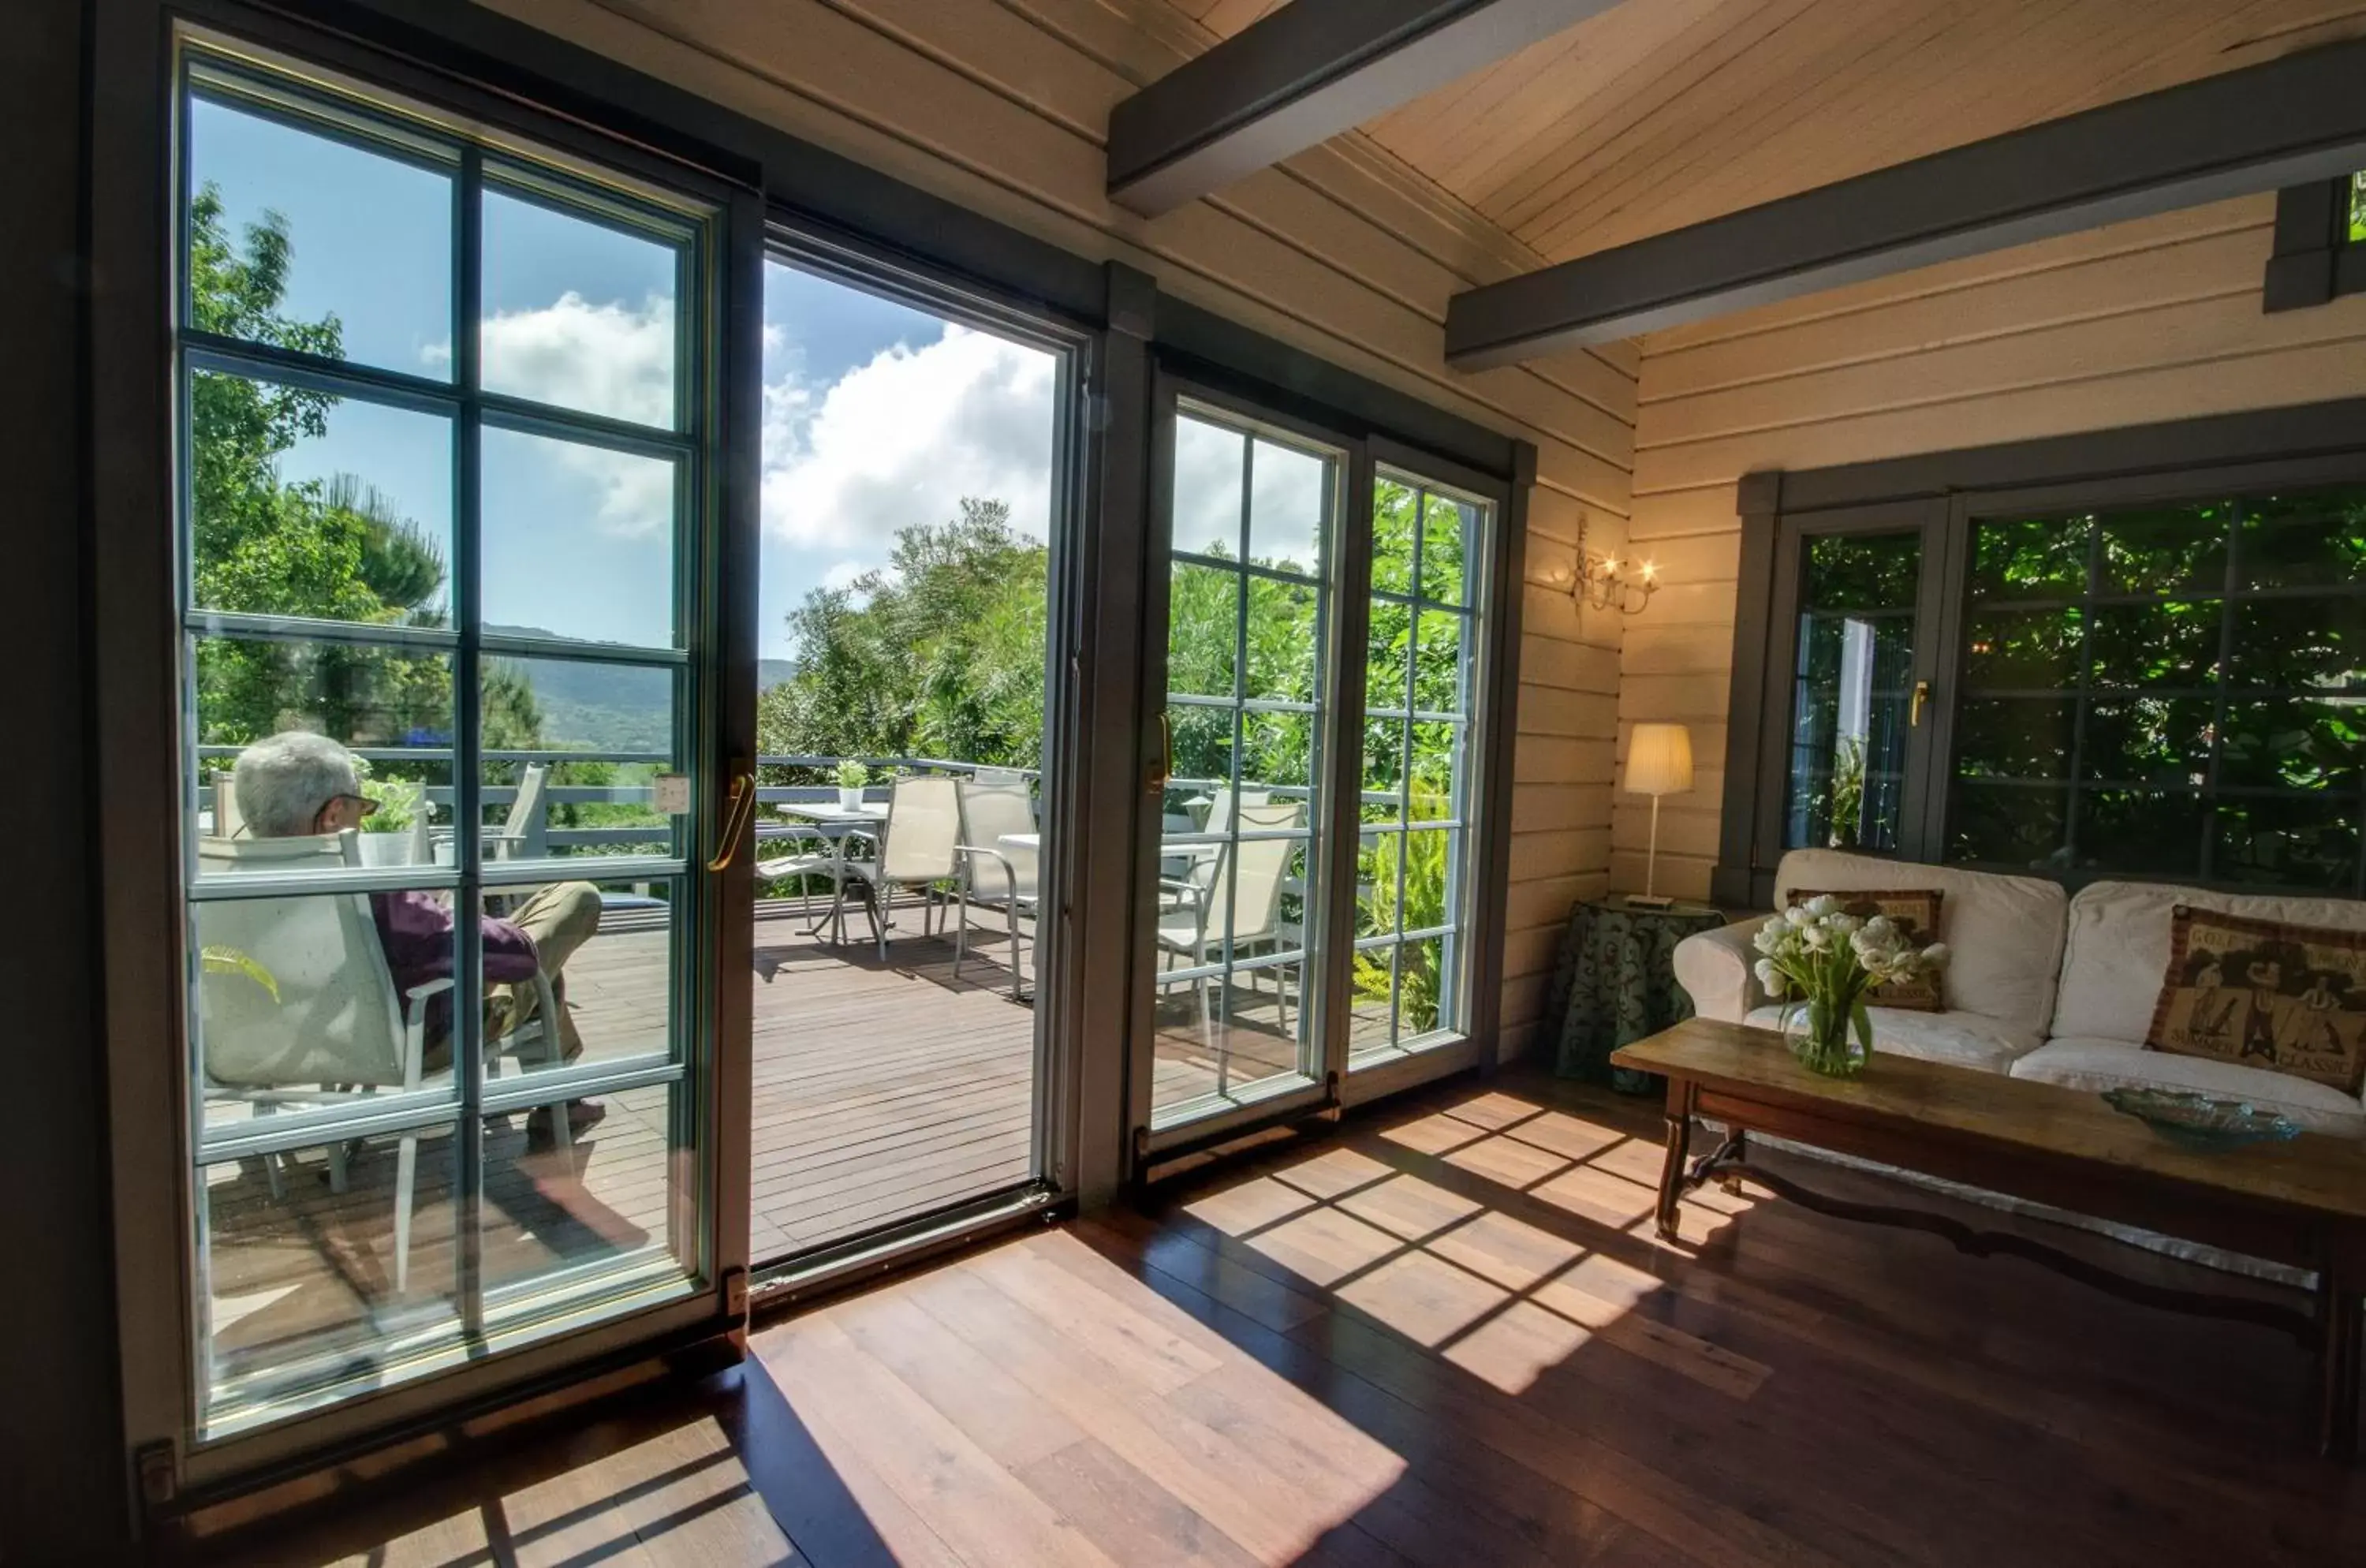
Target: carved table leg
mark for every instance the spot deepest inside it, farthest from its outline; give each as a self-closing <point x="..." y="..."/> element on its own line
<point x="1672" y="1169"/>
<point x="2341" y="1352"/>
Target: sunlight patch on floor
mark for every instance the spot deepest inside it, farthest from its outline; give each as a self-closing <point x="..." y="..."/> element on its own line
<point x="974" y="1398"/>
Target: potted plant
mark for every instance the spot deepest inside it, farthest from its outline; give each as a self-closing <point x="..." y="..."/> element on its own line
<point x="385" y="837"/>
<point x="852" y="777"/>
<point x="1819" y="960"/>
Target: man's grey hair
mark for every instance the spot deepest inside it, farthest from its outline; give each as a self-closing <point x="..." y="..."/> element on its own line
<point x="283" y="782"/>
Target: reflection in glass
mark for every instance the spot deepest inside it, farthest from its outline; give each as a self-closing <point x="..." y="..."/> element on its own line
<point x="2184" y="727"/>
<point x="1852" y="690"/>
<point x="2288" y="842"/>
<point x="2307" y="539"/>
<point x="597" y="333"/>
<point x="391" y="709"/>
<point x="605" y="1198"/>
<point x="578" y="541"/>
<point x="305" y="504"/>
<point x="321" y="1260"/>
<point x="314" y="243"/>
<point x="2012" y="827"/>
<point x="1410" y="879"/>
<point x="1246" y="653"/>
<point x="585" y="742"/>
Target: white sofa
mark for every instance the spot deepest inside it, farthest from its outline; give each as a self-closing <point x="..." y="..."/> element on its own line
<point x="2043" y="987"/>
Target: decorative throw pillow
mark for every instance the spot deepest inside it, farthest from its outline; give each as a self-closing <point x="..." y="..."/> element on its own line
<point x="2262" y="994"/>
<point x="1914" y="911"/>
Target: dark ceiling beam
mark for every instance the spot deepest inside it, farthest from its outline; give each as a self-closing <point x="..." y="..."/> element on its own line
<point x="2291" y="121"/>
<point x="1301" y="75"/>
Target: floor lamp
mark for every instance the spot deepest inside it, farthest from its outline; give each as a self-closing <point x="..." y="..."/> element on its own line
<point x="1659" y="762"/>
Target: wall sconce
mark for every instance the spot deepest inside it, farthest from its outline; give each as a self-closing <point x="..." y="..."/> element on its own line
<point x="1605" y="582"/>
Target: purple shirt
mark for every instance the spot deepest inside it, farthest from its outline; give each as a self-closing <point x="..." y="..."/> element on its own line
<point x="414" y="930"/>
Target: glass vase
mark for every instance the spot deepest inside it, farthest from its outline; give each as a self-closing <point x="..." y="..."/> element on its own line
<point x="1822" y="1040"/>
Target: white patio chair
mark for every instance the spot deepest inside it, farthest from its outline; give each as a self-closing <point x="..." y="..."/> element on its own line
<point x="1240" y="900"/>
<point x="994" y="874"/>
<point x="916" y="847"/>
<point x="335" y="1031"/>
<point x="806" y="864"/>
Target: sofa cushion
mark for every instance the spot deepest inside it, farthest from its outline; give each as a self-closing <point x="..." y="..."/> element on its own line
<point x="2118" y="948"/>
<point x="2263" y="994"/>
<point x="2003" y="933"/>
<point x="1955" y="1039"/>
<point x="2098" y="1065"/>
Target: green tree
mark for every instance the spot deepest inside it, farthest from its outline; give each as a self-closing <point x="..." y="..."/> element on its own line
<point x="332" y="550"/>
<point x="939" y="654"/>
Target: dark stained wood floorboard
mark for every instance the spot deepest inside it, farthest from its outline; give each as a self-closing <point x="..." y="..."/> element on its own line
<point x="1443" y="1334"/>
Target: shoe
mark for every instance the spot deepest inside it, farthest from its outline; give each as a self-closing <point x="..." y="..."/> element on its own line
<point x="582" y="1115"/>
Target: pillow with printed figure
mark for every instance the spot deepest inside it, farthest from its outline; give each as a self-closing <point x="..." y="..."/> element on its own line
<point x="1915" y="912"/>
<point x="2263" y="994"/>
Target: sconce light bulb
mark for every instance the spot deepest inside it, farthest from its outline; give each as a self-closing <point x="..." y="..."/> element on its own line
<point x="1651" y="570"/>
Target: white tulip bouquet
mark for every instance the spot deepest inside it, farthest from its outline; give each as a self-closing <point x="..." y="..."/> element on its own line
<point x="1820" y="960"/>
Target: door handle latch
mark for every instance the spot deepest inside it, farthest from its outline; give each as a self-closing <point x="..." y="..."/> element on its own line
<point x="1914" y="708"/>
<point x="736" y="813"/>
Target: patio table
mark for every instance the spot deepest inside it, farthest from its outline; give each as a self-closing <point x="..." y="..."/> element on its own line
<point x="830" y="815"/>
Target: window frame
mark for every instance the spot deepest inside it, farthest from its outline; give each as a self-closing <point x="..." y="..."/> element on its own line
<point x="1948" y="494"/>
<point x="2316" y="260"/>
<point x="143" y="850"/>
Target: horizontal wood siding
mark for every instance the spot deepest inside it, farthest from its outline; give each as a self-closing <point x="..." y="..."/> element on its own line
<point x="2138" y="323"/>
<point x="1343" y="251"/>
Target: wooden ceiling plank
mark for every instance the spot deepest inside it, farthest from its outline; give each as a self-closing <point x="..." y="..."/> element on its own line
<point x="1798" y="52"/>
<point x="1739" y="160"/>
<point x="2284" y="122"/>
<point x="1687" y="150"/>
<point x="1300" y="75"/>
<point x="1519" y="184"/>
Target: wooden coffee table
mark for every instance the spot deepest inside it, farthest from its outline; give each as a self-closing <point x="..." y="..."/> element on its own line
<point x="2301" y="1203"/>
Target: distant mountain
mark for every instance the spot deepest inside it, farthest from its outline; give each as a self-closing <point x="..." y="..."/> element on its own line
<point x="608" y="707"/>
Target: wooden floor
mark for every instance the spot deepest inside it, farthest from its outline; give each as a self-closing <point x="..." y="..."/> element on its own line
<point x="882" y="1089"/>
<point x="1445" y="1335"/>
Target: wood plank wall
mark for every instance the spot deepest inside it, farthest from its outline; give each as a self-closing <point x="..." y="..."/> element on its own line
<point x="2141" y="322"/>
<point x="1002" y="105"/>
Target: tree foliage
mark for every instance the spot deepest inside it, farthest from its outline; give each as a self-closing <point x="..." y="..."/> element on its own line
<point x="333" y="550"/>
<point x="939" y="654"/>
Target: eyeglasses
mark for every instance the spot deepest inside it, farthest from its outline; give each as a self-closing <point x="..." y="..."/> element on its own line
<point x="363" y="801"/>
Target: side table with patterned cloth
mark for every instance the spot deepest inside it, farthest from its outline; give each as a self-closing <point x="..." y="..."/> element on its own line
<point x="1616" y="983"/>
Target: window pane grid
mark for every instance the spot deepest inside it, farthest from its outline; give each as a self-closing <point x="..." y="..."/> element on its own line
<point x="2168" y="660"/>
<point x="1408" y="953"/>
<point x="442" y="761"/>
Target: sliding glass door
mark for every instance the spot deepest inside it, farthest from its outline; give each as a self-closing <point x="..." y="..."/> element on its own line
<point x="1314" y="661"/>
<point x="448" y="682"/>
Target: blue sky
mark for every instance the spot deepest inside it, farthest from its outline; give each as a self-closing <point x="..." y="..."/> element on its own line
<point x="876" y="416"/>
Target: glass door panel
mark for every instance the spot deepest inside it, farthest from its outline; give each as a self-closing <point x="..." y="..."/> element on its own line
<point x="1853" y="691"/>
<point x="1237" y="1004"/>
<point x="911" y="518"/>
<point x="1420" y="786"/>
<point x="435" y="601"/>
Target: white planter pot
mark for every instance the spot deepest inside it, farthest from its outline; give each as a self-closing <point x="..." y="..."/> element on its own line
<point x="848" y="799"/>
<point x="384" y="849"/>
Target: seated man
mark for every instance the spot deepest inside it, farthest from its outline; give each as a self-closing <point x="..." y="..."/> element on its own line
<point x="296" y="782"/>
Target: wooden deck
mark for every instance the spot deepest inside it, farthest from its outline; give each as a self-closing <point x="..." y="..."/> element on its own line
<point x="883" y="1090"/>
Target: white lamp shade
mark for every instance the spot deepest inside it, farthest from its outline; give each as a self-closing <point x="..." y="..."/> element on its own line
<point x="1658" y="760"/>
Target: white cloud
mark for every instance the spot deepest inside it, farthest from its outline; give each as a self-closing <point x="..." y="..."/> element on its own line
<point x="611" y="360"/>
<point x="899" y="440"/>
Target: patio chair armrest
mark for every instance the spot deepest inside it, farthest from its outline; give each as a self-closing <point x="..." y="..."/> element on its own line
<point x="864" y="833"/>
<point x="414" y="1028"/>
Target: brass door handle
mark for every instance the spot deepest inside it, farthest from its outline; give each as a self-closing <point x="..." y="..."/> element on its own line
<point x="737" y="812"/>
<point x="1914" y="709"/>
<point x="1164" y="769"/>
